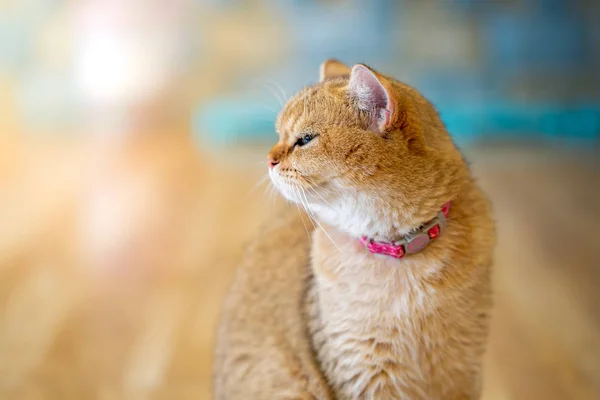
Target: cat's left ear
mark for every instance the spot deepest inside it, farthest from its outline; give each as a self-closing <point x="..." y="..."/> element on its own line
<point x="333" y="68"/>
<point x="374" y="94"/>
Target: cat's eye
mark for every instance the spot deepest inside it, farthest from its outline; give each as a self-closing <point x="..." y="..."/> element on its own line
<point x="304" y="139"/>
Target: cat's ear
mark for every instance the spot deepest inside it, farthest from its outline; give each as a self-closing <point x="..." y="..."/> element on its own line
<point x="333" y="68"/>
<point x="372" y="93"/>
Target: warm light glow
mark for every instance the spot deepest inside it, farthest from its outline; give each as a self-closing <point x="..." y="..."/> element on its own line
<point x="121" y="56"/>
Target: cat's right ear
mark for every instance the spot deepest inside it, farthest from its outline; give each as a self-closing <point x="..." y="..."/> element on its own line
<point x="372" y="94"/>
<point x="333" y="68"/>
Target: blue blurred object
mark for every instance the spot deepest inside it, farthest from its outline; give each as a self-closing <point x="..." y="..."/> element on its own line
<point x="551" y="121"/>
<point x="18" y="27"/>
<point x="46" y="99"/>
<point x="230" y="121"/>
<point x="14" y="44"/>
<point x="226" y="122"/>
<point x="541" y="42"/>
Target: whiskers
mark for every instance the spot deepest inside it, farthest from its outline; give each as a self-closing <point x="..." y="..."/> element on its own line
<point x="301" y="199"/>
<point x="275" y="89"/>
<point x="312" y="187"/>
<point x="271" y="193"/>
<point x="258" y="184"/>
<point x="283" y="99"/>
<point x="296" y="189"/>
<point x="269" y="190"/>
<point x="301" y="196"/>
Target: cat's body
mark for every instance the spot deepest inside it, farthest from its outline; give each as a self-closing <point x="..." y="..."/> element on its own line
<point x="345" y="323"/>
<point x="263" y="350"/>
<point x="410" y="330"/>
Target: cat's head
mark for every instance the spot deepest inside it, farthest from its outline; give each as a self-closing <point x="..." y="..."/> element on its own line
<point x="365" y="153"/>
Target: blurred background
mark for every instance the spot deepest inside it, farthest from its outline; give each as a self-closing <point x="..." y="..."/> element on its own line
<point x="133" y="137"/>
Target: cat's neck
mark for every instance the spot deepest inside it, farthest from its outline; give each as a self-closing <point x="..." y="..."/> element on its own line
<point x="366" y="215"/>
<point x="368" y="310"/>
<point x="340" y="256"/>
<point x="342" y="263"/>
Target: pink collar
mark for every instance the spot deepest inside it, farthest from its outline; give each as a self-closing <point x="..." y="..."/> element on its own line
<point x="411" y="243"/>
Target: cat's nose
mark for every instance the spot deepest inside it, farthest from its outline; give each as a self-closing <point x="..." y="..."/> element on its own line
<point x="274" y="156"/>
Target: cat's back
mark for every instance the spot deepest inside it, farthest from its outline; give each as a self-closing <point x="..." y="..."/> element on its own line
<point x="263" y="350"/>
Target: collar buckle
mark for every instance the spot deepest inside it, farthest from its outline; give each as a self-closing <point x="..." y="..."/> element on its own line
<point x="417" y="241"/>
<point x="411" y="243"/>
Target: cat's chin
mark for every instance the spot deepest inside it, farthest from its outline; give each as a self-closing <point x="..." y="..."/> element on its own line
<point x="359" y="220"/>
<point x="358" y="223"/>
<point x="293" y="193"/>
<point x="350" y="216"/>
<point x="287" y="194"/>
<point x="283" y="188"/>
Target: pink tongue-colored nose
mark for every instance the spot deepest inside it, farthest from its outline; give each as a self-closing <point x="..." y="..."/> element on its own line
<point x="272" y="163"/>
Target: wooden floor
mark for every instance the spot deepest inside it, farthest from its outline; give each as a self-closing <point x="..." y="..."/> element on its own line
<point x="114" y="260"/>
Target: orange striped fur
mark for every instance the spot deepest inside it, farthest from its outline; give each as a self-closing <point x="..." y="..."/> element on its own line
<point x="324" y="318"/>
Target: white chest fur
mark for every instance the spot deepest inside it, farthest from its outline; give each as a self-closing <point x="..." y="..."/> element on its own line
<point x="376" y="323"/>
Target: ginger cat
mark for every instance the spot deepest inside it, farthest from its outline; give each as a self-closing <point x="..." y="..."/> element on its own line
<point x="391" y="298"/>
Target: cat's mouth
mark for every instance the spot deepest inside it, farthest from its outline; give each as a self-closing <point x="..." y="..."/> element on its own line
<point x="297" y="188"/>
<point x="287" y="184"/>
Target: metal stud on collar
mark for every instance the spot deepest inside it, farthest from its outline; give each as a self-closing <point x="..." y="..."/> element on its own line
<point x="417" y="241"/>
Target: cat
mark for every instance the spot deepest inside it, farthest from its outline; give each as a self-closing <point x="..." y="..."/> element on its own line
<point x="391" y="297"/>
